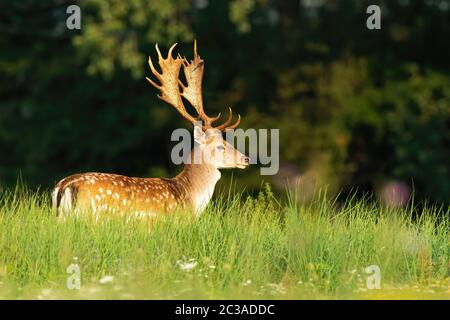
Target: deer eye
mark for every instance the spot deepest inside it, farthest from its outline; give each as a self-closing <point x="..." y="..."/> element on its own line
<point x="220" y="147"/>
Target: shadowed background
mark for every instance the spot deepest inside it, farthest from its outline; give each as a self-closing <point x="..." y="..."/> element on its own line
<point x="356" y="108"/>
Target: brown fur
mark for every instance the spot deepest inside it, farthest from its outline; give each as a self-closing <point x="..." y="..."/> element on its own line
<point x="112" y="191"/>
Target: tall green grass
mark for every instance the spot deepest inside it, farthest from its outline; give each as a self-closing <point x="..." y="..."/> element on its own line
<point x="238" y="248"/>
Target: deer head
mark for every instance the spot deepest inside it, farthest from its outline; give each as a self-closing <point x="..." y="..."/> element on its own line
<point x="213" y="150"/>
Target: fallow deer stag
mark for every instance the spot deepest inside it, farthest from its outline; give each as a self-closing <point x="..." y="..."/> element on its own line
<point x="193" y="187"/>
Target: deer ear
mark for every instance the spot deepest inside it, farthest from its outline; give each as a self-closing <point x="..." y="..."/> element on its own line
<point x="199" y="135"/>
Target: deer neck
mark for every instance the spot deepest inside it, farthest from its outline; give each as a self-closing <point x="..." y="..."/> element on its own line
<point x="197" y="182"/>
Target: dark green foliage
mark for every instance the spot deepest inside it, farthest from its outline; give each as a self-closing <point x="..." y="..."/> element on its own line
<point x="363" y="106"/>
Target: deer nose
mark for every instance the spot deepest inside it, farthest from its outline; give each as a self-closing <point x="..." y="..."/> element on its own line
<point x="246" y="159"/>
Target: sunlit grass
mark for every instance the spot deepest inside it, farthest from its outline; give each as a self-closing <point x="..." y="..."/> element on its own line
<point x="239" y="248"/>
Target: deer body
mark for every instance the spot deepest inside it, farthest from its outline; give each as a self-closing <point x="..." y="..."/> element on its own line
<point x="192" y="188"/>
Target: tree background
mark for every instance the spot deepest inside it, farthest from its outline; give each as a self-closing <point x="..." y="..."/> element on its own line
<point x="356" y="108"/>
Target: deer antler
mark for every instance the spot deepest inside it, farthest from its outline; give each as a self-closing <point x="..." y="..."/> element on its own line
<point x="192" y="92"/>
<point x="169" y="88"/>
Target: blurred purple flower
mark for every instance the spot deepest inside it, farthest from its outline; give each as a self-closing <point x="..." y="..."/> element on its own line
<point x="395" y="193"/>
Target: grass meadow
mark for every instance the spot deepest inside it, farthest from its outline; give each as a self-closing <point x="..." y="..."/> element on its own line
<point x="239" y="248"/>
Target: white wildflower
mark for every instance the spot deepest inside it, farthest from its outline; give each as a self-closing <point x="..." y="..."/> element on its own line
<point x="247" y="282"/>
<point x="187" y="265"/>
<point x="106" y="279"/>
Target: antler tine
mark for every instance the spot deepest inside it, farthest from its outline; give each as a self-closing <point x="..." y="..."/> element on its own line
<point x="195" y="48"/>
<point x="213" y="119"/>
<point x="155" y="72"/>
<point x="169" y="54"/>
<point x="159" y="52"/>
<point x="225" y="125"/>
<point x="234" y="126"/>
<point x="227" y="122"/>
